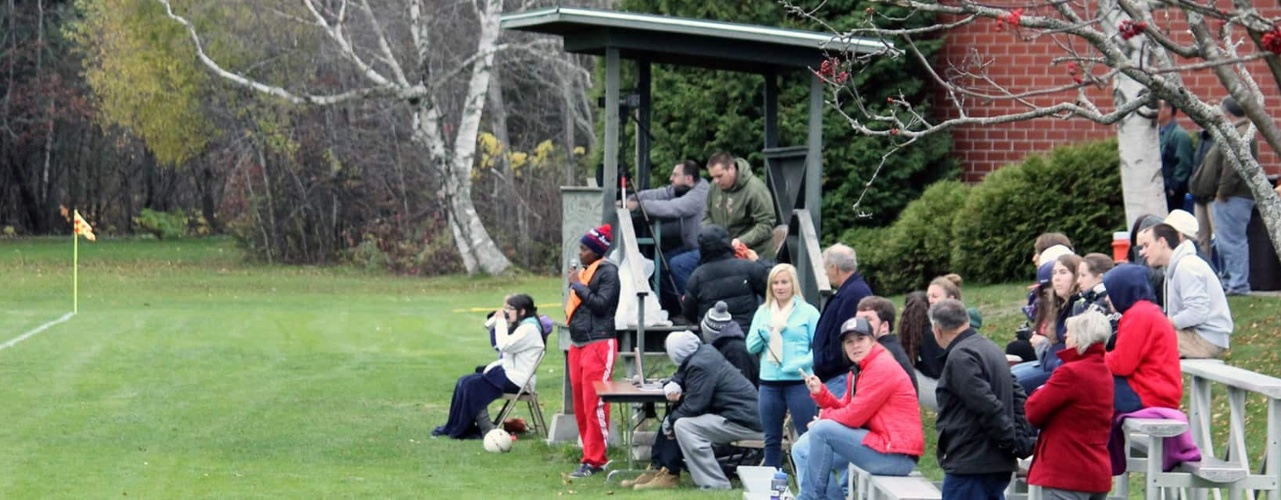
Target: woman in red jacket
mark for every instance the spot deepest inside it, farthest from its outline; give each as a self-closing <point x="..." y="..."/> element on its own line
<point x="1145" y="361"/>
<point x="878" y="428"/>
<point x="1074" y="412"/>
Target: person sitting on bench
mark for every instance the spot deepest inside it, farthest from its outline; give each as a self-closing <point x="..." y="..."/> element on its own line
<point x="876" y="427"/>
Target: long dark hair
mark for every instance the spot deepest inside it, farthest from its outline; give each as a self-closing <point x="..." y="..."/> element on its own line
<point x="522" y="302"/>
<point x="914" y="321"/>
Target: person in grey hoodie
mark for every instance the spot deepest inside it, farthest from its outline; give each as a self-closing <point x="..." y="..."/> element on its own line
<point x="1194" y="297"/>
<point x="717" y="406"/>
<point x="685" y="200"/>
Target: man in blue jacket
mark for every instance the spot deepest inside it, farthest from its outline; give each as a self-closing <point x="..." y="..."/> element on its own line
<point x="841" y="264"/>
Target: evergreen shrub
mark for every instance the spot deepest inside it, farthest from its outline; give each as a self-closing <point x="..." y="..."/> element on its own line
<point x="1075" y="190"/>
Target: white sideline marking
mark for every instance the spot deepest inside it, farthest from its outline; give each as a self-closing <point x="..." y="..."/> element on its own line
<point x="38" y="329"/>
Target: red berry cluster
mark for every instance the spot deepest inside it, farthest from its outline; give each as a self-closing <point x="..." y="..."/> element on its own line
<point x="1012" y="18"/>
<point x="1130" y="29"/>
<point x="828" y="70"/>
<point x="1272" y="40"/>
<point x="1075" y="72"/>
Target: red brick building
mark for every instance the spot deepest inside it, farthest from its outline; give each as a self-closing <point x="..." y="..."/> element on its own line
<point x="1022" y="65"/>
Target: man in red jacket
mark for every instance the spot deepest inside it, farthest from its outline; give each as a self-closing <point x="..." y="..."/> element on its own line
<point x="1145" y="360"/>
<point x="1074" y="412"/>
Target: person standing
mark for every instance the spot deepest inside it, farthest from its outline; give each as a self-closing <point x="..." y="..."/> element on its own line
<point x="1233" y="205"/>
<point x="1176" y="155"/>
<point x="841" y="264"/>
<point x="781" y="334"/>
<point x="979" y="436"/>
<point x="589" y="312"/>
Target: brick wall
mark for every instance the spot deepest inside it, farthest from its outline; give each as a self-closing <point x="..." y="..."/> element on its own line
<point x="1023" y="66"/>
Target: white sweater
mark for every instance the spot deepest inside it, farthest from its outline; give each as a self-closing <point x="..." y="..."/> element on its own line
<point x="1194" y="297"/>
<point x="520" y="350"/>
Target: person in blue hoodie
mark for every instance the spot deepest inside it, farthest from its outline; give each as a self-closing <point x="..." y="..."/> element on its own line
<point x="781" y="334"/>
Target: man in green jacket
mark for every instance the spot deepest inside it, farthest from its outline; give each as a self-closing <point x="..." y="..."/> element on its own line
<point x="1176" y="156"/>
<point x="740" y="202"/>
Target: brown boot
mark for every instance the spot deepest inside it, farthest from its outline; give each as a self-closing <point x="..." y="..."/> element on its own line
<point x="646" y="477"/>
<point x="662" y="480"/>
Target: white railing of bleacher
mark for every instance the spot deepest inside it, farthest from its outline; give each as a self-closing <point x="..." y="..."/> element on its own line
<point x="1238" y="383"/>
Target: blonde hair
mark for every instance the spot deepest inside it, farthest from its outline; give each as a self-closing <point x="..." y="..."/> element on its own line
<point x="950" y="283"/>
<point x="770" y="299"/>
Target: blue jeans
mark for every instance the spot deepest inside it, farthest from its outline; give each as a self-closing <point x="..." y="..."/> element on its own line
<point x="1230" y="220"/>
<point x="975" y="486"/>
<point x="1124" y="399"/>
<point x="1030" y="375"/>
<point x="775" y="402"/>
<point x="837" y="387"/>
<point x="830" y="445"/>
<point x="681" y="265"/>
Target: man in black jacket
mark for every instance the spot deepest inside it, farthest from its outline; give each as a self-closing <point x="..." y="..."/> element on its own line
<point x="721" y="276"/>
<point x="592" y="303"/>
<point x="978" y="435"/>
<point x="717" y="406"/>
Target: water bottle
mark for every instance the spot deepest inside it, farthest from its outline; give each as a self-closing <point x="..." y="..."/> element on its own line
<point x="778" y="486"/>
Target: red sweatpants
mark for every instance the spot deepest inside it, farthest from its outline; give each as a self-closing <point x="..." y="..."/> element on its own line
<point x="587" y="364"/>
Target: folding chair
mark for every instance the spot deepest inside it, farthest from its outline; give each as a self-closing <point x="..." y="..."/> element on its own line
<point x="529" y="395"/>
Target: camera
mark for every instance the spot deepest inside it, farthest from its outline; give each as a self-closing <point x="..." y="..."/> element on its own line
<point x="1024" y="332"/>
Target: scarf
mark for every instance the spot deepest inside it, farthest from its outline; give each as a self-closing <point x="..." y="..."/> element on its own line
<point x="778" y="321"/>
<point x="585" y="276"/>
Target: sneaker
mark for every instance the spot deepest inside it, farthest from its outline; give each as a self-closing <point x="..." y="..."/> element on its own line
<point x="439" y="431"/>
<point x="663" y="480"/>
<point x="645" y="477"/>
<point x="585" y="470"/>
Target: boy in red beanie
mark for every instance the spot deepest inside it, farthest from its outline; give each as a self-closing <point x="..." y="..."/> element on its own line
<point x="589" y="312"/>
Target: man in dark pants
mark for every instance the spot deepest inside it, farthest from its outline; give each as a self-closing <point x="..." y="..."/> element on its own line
<point x="978" y="435"/>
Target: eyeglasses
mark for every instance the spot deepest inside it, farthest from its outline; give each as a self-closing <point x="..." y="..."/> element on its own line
<point x="508" y="308"/>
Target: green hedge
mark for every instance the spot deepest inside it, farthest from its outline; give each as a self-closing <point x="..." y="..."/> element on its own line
<point x="919" y="245"/>
<point x="1075" y="190"/>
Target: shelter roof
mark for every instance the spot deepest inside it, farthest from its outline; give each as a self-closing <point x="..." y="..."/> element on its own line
<point x="687" y="42"/>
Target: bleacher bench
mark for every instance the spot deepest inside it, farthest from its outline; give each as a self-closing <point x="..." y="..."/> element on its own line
<point x="865" y="486"/>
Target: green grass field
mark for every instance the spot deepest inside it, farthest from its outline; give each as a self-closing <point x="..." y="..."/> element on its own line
<point x="191" y="373"/>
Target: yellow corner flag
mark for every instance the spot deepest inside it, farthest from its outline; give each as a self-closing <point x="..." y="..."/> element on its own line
<point x="82" y="228"/>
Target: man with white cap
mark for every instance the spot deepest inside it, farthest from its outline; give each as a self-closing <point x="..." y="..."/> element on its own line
<point x="717" y="406"/>
<point x="1194" y="298"/>
<point x="1185" y="223"/>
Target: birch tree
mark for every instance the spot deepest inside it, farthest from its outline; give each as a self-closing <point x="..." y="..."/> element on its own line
<point x="408" y="72"/>
<point x="1131" y="46"/>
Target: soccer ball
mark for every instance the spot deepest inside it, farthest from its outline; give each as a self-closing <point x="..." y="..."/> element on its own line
<point x="498" y="441"/>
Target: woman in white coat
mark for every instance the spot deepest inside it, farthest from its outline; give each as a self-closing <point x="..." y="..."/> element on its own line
<point x="518" y="336"/>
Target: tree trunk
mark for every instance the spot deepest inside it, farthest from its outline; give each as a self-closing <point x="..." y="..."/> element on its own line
<point x="1139" y="143"/>
<point x="1138" y="138"/>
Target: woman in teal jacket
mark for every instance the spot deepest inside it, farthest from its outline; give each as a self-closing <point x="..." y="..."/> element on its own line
<point x="781" y="334"/>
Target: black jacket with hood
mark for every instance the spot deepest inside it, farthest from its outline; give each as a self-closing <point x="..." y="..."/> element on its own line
<point x="721" y="276"/>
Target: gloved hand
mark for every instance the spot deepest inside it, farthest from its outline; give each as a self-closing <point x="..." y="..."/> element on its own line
<point x="672" y="389"/>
